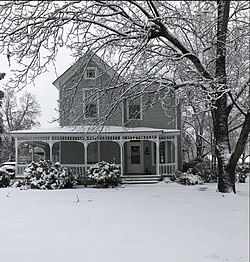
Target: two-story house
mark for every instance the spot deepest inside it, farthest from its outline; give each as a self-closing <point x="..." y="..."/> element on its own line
<point x="103" y="118"/>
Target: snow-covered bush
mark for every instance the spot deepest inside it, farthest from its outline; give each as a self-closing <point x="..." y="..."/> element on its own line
<point x="187" y="178"/>
<point x="168" y="180"/>
<point x="103" y="175"/>
<point x="204" y="170"/>
<point x="4" y="179"/>
<point x="192" y="163"/>
<point x="241" y="173"/>
<point x="201" y="168"/>
<point x="42" y="175"/>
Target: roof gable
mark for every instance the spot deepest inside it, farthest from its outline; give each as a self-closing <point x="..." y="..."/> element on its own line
<point x="81" y="64"/>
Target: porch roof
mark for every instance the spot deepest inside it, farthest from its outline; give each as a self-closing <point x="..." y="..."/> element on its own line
<point x="88" y="130"/>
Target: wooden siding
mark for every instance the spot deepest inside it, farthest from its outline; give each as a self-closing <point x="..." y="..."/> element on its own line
<point x="72" y="98"/>
<point x="154" y="116"/>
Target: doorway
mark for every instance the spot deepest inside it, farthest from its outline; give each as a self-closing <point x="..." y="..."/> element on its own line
<point x="135" y="158"/>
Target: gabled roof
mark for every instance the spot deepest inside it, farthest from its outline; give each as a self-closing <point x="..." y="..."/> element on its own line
<point x="79" y="65"/>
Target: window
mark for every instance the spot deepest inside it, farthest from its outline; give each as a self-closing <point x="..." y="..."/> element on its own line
<point x="135" y="155"/>
<point x="91" y="103"/>
<point x="90" y="73"/>
<point x="135" y="109"/>
<point x="91" y="110"/>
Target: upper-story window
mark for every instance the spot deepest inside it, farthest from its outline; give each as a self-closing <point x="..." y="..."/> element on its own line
<point x="134" y="109"/>
<point x="90" y="73"/>
<point x="90" y="103"/>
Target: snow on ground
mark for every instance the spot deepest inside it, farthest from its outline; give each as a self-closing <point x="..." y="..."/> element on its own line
<point x="138" y="223"/>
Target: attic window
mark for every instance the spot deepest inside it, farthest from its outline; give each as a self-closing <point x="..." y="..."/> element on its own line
<point x="90" y="73"/>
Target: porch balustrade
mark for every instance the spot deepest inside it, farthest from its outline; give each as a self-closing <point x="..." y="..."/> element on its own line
<point x="20" y="170"/>
<point x="167" y="169"/>
<point x="78" y="169"/>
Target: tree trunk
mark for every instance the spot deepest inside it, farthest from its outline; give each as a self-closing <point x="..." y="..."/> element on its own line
<point x="219" y="110"/>
<point x="199" y="147"/>
<point x="222" y="148"/>
<point x="240" y="146"/>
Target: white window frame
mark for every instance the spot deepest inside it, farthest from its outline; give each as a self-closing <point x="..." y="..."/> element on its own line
<point x="86" y="73"/>
<point x="85" y="104"/>
<point x="140" y="118"/>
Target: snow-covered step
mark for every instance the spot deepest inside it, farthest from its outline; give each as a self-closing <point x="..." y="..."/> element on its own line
<point x="140" y="179"/>
<point x="140" y="182"/>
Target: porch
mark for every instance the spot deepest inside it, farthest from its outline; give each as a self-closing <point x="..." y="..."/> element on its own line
<point x="137" y="151"/>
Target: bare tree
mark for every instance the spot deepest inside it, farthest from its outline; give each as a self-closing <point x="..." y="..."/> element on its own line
<point x="195" y="45"/>
<point x="22" y="114"/>
<point x="18" y="114"/>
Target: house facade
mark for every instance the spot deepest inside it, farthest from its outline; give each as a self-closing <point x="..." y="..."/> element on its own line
<point x="103" y="118"/>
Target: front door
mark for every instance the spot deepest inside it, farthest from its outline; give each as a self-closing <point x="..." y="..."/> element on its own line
<point x="135" y="157"/>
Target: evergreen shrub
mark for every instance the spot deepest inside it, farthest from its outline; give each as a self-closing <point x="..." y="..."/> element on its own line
<point x="102" y="175"/>
<point x="4" y="179"/>
<point x="186" y="178"/>
<point x="242" y="171"/>
<point x="189" y="179"/>
<point x="201" y="168"/>
<point x="42" y="175"/>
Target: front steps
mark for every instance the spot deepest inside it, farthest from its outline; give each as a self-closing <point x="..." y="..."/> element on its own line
<point x="140" y="179"/>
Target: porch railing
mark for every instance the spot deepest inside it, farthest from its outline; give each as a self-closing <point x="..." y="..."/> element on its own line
<point x="20" y="170"/>
<point x="167" y="169"/>
<point x="78" y="169"/>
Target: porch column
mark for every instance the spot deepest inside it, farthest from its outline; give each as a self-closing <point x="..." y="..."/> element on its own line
<point x="16" y="156"/>
<point x="121" y="156"/>
<point x="32" y="152"/>
<point x="85" y="154"/>
<point x="176" y="153"/>
<point x="50" y="150"/>
<point x="60" y="152"/>
<point x="157" y="156"/>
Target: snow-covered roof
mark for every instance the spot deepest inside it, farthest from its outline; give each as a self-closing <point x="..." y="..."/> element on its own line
<point x="94" y="129"/>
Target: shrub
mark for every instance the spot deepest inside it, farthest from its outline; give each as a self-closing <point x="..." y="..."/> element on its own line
<point x="204" y="170"/>
<point x="187" y="178"/>
<point x="241" y="173"/>
<point x="201" y="168"/>
<point x="43" y="175"/>
<point x="167" y="180"/>
<point x="191" y="164"/>
<point x="4" y="179"/>
<point x="103" y="175"/>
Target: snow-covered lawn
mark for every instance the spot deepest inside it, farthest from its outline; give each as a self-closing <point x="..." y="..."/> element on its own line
<point x="138" y="223"/>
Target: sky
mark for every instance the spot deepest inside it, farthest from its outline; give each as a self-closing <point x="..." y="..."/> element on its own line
<point x="46" y="94"/>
